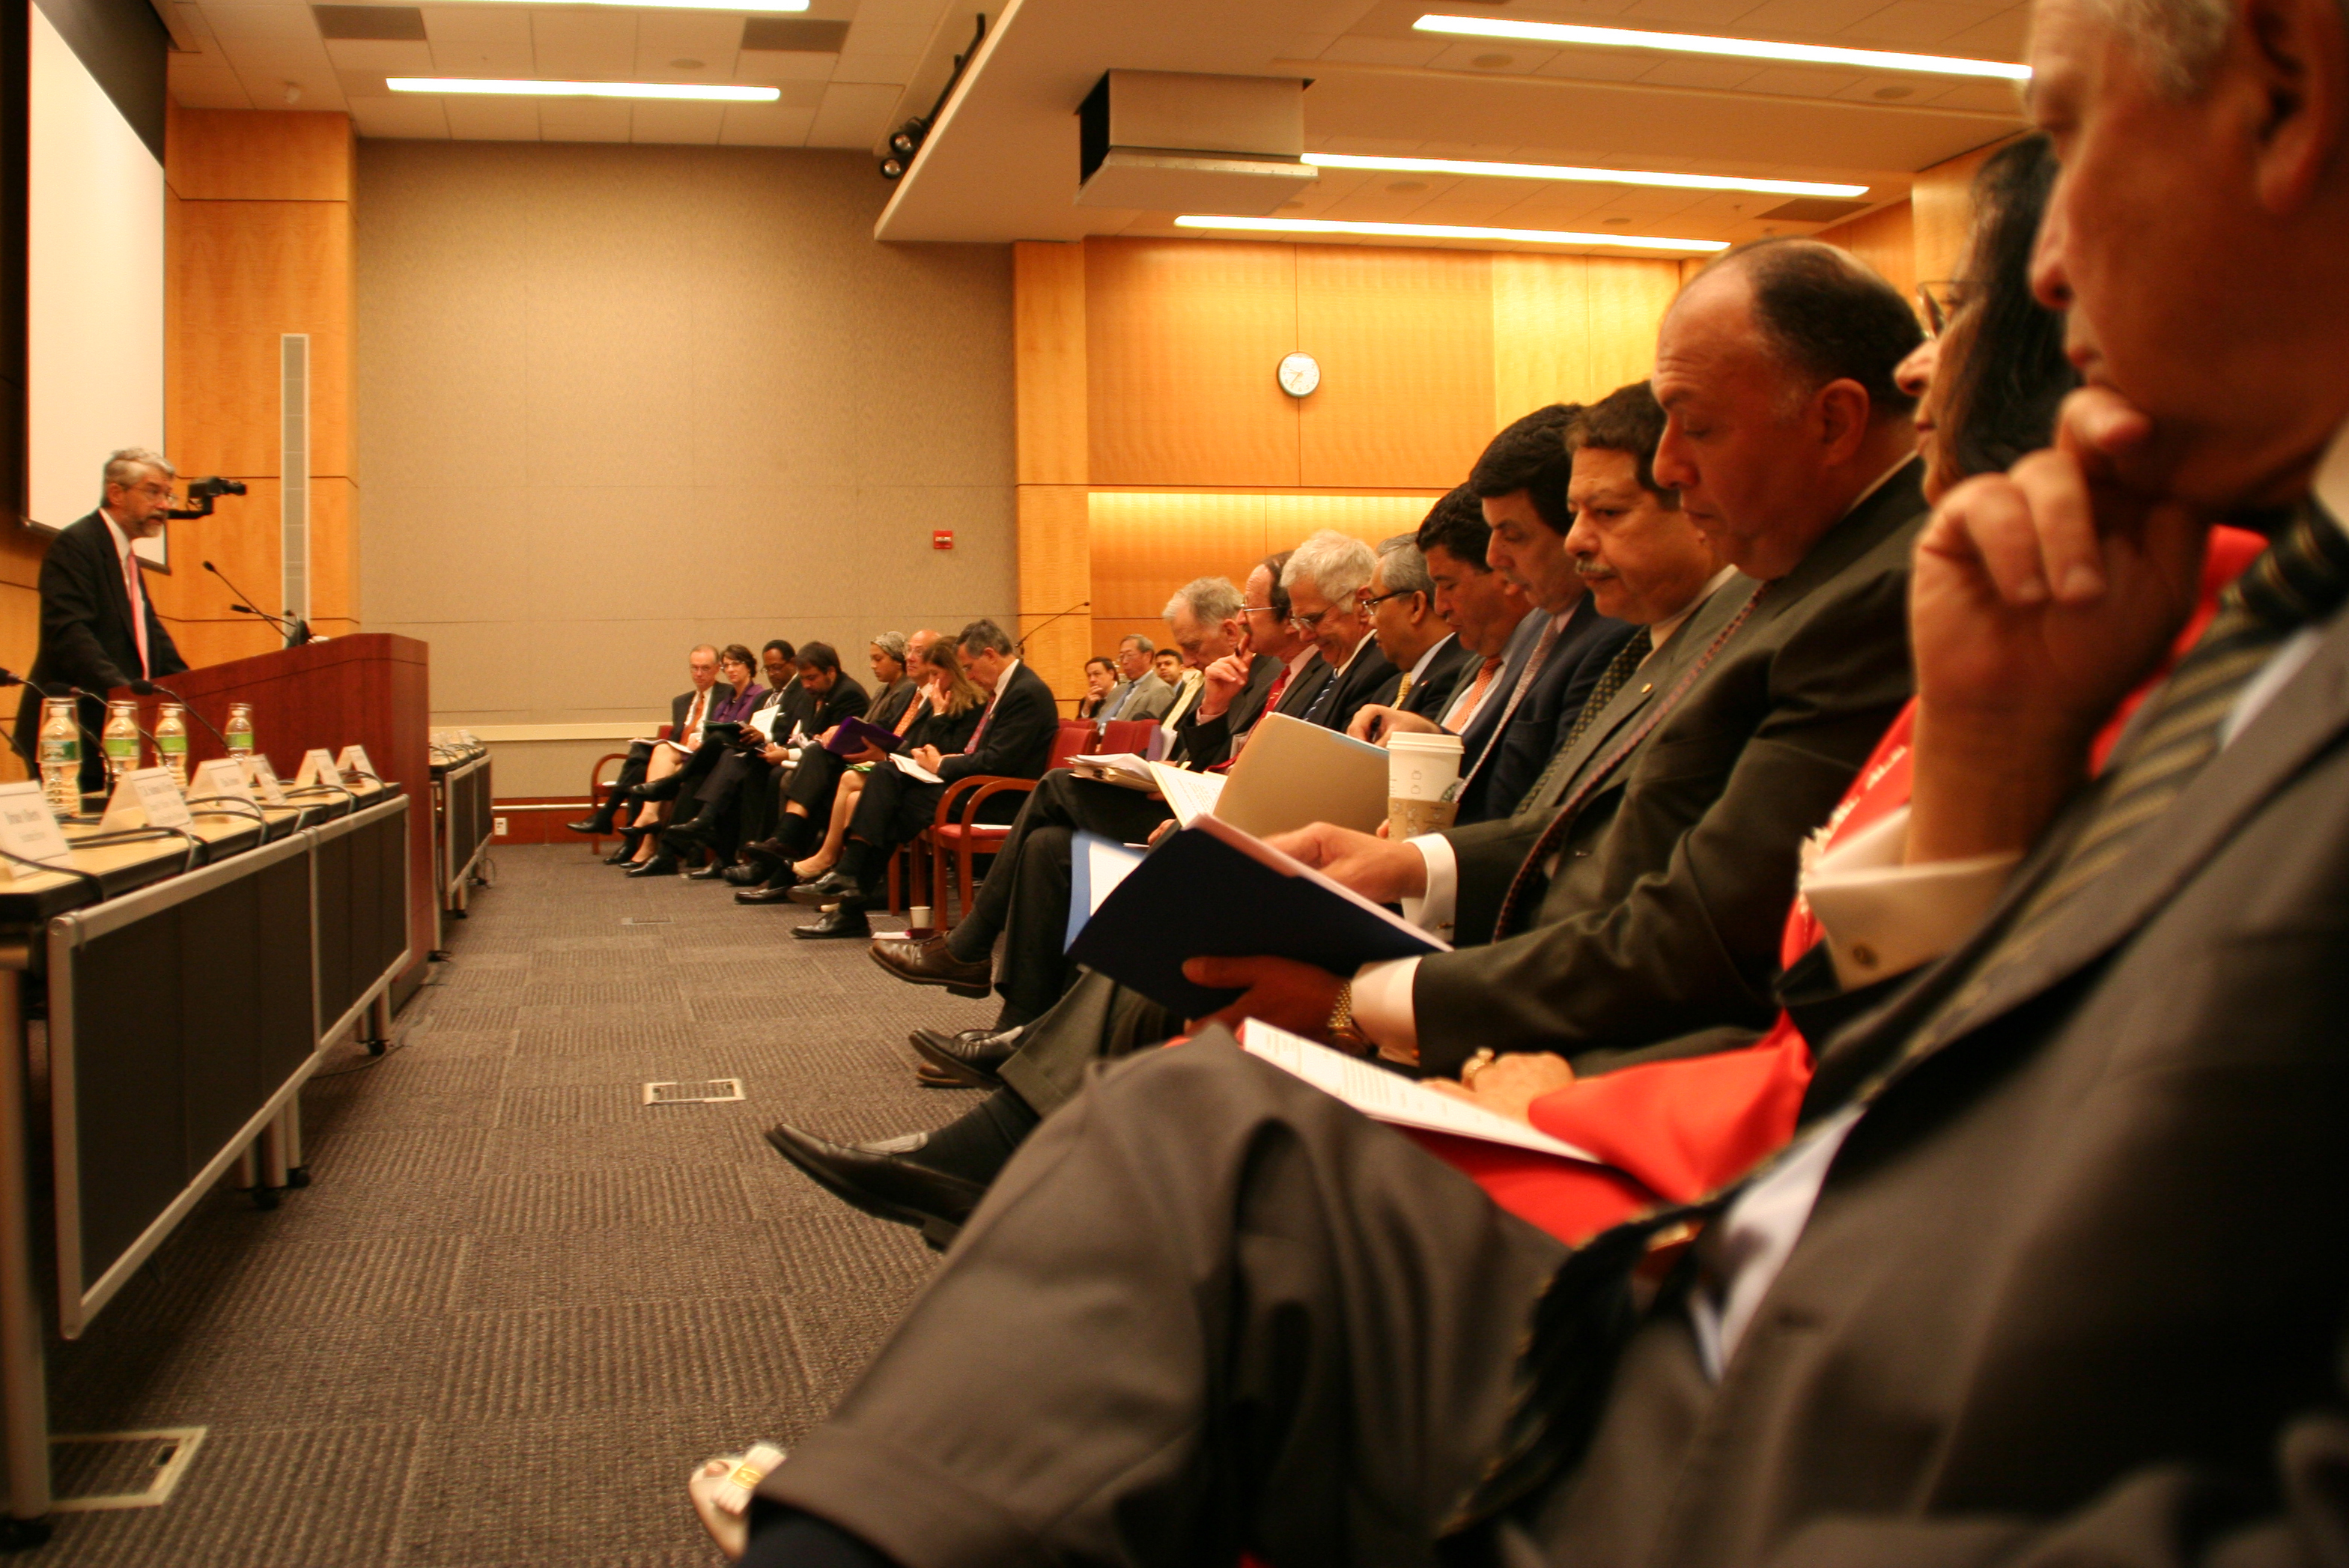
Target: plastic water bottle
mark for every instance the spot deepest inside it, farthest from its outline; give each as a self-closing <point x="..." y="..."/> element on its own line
<point x="171" y="740"/>
<point x="120" y="738"/>
<point x="61" y="756"/>
<point x="239" y="733"/>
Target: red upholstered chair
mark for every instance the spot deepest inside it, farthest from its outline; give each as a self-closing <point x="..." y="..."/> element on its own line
<point x="1119" y="735"/>
<point x="954" y="832"/>
<point x="597" y="784"/>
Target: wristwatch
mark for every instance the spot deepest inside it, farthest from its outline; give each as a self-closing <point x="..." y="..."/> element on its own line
<point x="1342" y="1032"/>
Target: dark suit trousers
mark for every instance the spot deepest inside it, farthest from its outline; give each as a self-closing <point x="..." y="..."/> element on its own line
<point x="1208" y="1308"/>
<point x="717" y="814"/>
<point x="1095" y="1020"/>
<point x="893" y="808"/>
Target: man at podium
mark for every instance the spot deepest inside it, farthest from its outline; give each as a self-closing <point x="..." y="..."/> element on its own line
<point x="99" y="629"/>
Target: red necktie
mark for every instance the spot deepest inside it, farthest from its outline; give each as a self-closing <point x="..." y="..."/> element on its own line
<point x="138" y="609"/>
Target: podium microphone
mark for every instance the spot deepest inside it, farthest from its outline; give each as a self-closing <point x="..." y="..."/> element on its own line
<point x="284" y="627"/>
<point x="1021" y="646"/>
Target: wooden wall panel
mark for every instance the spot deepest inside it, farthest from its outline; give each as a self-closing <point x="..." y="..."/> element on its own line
<point x="1055" y="571"/>
<point x="1941" y="201"/>
<point x="1405" y="341"/>
<point x="1182" y="339"/>
<point x="1885" y="240"/>
<point x="1047" y="324"/>
<point x="1146" y="545"/>
<point x="283" y="155"/>
<point x="1369" y="518"/>
<point x="1628" y="296"/>
<point x="20" y="635"/>
<point x="1541" y="333"/>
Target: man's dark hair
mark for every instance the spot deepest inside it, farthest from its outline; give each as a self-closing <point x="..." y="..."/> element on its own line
<point x="1530" y="456"/>
<point x="1829" y="314"/>
<point x="1457" y="523"/>
<point x="983" y="637"/>
<point x="791" y="655"/>
<point x="1628" y="420"/>
<point x="818" y="656"/>
<point x="1276" y="564"/>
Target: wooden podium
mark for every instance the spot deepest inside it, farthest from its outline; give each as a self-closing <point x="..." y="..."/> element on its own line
<point x="371" y="688"/>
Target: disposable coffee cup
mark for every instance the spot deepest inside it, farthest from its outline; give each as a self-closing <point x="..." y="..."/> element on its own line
<point x="918" y="921"/>
<point x="1422" y="782"/>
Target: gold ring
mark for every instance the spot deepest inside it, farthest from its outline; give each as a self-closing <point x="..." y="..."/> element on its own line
<point x="1475" y="1065"/>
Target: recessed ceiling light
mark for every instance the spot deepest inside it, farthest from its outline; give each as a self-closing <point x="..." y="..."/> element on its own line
<point x="1697" y="44"/>
<point x="1445" y="231"/>
<point x="1589" y="176"/>
<point x="582" y="89"/>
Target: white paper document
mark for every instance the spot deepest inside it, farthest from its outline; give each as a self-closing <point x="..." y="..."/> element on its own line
<point x="1188" y="794"/>
<point x="908" y="766"/>
<point x="1127" y="769"/>
<point x="763" y="721"/>
<point x="1389" y="1096"/>
<point x="28" y="830"/>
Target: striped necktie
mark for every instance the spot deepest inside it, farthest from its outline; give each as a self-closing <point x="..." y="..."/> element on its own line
<point x="2301" y="577"/>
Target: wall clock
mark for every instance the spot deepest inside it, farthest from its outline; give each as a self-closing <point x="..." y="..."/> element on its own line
<point x="1299" y="373"/>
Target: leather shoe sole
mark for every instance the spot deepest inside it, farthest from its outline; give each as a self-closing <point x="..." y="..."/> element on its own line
<point x="762" y="895"/>
<point x="929" y="1077"/>
<point x="930" y="964"/>
<point x="658" y="866"/>
<point x="706" y="873"/>
<point x="882" y="1185"/>
<point x="950" y="1057"/>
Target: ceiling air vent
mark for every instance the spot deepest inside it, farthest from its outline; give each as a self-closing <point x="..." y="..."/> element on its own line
<point x="1814" y="209"/>
<point x="385" y="23"/>
<point x="1170" y="141"/>
<point x="796" y="33"/>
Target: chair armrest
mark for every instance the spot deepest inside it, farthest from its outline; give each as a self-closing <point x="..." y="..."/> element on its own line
<point x="973" y="789"/>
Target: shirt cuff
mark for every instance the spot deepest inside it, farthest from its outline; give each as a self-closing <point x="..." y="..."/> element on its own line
<point x="1881" y="917"/>
<point x="1432" y="910"/>
<point x="1382" y="1007"/>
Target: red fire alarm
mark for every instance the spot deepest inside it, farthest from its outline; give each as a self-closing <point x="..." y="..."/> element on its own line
<point x="942" y="539"/>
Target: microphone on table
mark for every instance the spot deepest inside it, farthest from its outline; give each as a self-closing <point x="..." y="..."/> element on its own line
<point x="135" y="687"/>
<point x="156" y="688"/>
<point x="295" y="632"/>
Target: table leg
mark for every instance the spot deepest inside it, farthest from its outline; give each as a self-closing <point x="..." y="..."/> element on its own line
<point x="297" y="1169"/>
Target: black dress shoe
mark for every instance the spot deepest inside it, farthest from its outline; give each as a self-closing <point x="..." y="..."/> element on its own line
<point x="622" y="855"/>
<point x="927" y="962"/>
<point x="848" y="920"/>
<point x="886" y="1186"/>
<point x="971" y="1060"/>
<point x="658" y="866"/>
<point x="710" y="873"/>
<point x="591" y="827"/>
<point x="763" y="895"/>
<point x="744" y="876"/>
<point x="826" y="889"/>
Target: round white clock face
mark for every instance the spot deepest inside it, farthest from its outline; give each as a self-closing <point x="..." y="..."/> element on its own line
<point x="1299" y="373"/>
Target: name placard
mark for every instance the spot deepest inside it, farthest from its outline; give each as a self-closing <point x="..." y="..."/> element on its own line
<point x="263" y="778"/>
<point x="27" y="829"/>
<point x="317" y="768"/>
<point x="221" y="779"/>
<point x="354" y="760"/>
<point x="146" y="798"/>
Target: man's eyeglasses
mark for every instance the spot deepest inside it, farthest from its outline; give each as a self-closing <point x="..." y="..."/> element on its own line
<point x="1309" y="623"/>
<point x="157" y="492"/>
<point x="1369" y="601"/>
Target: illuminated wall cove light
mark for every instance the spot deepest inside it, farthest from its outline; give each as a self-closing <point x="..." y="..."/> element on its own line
<point x="582" y="89"/>
<point x="1587" y="176"/>
<point x="1446" y="232"/>
<point x="1743" y="49"/>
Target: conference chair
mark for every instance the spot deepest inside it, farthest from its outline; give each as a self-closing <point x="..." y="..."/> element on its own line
<point x="597" y="784"/>
<point x="954" y="832"/>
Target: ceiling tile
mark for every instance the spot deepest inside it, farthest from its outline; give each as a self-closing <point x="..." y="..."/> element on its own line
<point x="192" y="22"/>
<point x="1494" y="57"/>
<point x="362" y="84"/>
<point x="1307" y="45"/>
<point x="1690" y="12"/>
<point x="479" y="23"/>
<point x="234" y="24"/>
<point x="770" y="66"/>
<point x="268" y="69"/>
<point x="1801" y="19"/>
<point x="765" y="125"/>
<point x="896" y="70"/>
<point x="583" y="119"/>
<point x="2001" y="38"/>
<point x="381" y="56"/>
<point x="1596" y="64"/>
<point x="690" y="124"/>
<point x="464" y="58"/>
<point x="1916" y="24"/>
<point x="206" y="81"/>
<point x="1385" y="51"/>
<point x="872" y="38"/>
<point x="852" y="115"/>
<point x="712" y="38"/>
<point x="474" y="119"/>
<point x="409" y="116"/>
<point x="1797" y="81"/>
<point x="922" y="15"/>
<point x="1688" y="71"/>
<point x="585" y="43"/>
<point x="1993" y="97"/>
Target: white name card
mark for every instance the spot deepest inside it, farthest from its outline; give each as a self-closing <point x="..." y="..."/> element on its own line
<point x="146" y="798"/>
<point x="354" y="760"/>
<point x="27" y="829"/>
<point x="221" y="779"/>
<point x="317" y="768"/>
<point x="263" y="778"/>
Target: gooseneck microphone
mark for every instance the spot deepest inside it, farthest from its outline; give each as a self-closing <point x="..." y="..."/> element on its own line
<point x="286" y="628"/>
<point x="161" y="690"/>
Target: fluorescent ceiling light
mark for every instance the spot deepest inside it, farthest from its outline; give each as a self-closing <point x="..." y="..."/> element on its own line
<point x="582" y="89"/>
<point x="1446" y="232"/>
<point x="1587" y="176"/>
<point x="1695" y="43"/>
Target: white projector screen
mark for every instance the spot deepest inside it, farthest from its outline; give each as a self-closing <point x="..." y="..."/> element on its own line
<point x="94" y="288"/>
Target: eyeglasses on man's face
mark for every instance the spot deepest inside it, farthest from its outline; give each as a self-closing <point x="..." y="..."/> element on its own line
<point x="1370" y="600"/>
<point x="1311" y="623"/>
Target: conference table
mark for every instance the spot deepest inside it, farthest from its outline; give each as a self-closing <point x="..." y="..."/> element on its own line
<point x="192" y="981"/>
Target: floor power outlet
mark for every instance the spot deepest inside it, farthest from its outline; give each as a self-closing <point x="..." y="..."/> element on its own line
<point x="497" y="827"/>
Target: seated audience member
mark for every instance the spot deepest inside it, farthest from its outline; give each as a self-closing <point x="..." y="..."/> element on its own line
<point x="1485" y="608"/>
<point x="680" y="762"/>
<point x="1100" y="679"/>
<point x="1674" y="819"/>
<point x="1012" y="739"/>
<point x="808" y="790"/>
<point x="687" y="711"/>
<point x="1026" y="890"/>
<point x="1139" y="694"/>
<point x="1400" y="601"/>
<point x="1277" y="673"/>
<point x="1325" y="577"/>
<point x="1167" y="665"/>
<point x="893" y="688"/>
<point x="2051" y="1283"/>
<point x="829" y="695"/>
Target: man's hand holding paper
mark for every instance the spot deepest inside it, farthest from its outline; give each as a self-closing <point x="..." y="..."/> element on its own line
<point x="1379" y="868"/>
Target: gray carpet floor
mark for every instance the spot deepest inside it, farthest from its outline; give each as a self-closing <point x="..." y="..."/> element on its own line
<point x="517" y="1305"/>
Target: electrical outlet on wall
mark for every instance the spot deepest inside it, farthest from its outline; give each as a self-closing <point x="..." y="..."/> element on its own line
<point x="497" y="827"/>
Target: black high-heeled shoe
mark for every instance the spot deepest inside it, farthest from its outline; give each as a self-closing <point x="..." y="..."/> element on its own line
<point x="630" y="838"/>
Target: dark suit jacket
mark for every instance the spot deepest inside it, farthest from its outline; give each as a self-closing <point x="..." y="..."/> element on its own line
<point x="86" y="635"/>
<point x="1203" y="743"/>
<point x="888" y="705"/>
<point x="1368" y="678"/>
<point x="682" y="704"/>
<point x="845" y="697"/>
<point x="1674" y="881"/>
<point x="1018" y="739"/>
<point x="1429" y="696"/>
<point x="1545" y="714"/>
<point x="949" y="733"/>
<point x="2075" y="1272"/>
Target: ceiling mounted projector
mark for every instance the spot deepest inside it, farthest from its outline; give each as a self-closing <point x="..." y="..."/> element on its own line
<point x="1170" y="141"/>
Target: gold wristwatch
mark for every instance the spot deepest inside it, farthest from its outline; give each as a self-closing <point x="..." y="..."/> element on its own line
<point x="1342" y="1032"/>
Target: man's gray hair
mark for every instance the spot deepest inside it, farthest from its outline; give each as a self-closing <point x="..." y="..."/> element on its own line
<point x="1404" y="567"/>
<point x="892" y="644"/>
<point x="983" y="637"/>
<point x="2178" y="41"/>
<point x="1211" y="601"/>
<point x="1337" y="564"/>
<point x="710" y="648"/>
<point x="123" y="467"/>
<point x="1139" y="641"/>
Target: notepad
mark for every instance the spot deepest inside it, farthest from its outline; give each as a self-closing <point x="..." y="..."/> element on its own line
<point x="906" y="765"/>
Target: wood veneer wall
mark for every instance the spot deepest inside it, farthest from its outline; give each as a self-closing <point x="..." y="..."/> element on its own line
<point x="258" y="243"/>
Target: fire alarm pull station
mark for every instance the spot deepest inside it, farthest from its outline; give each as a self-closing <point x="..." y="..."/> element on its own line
<point x="942" y="539"/>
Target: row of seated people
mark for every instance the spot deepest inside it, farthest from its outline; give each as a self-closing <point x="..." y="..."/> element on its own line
<point x="1141" y="682"/>
<point x="1929" y="923"/>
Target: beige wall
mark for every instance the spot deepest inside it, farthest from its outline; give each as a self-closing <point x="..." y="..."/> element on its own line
<point x="614" y="401"/>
